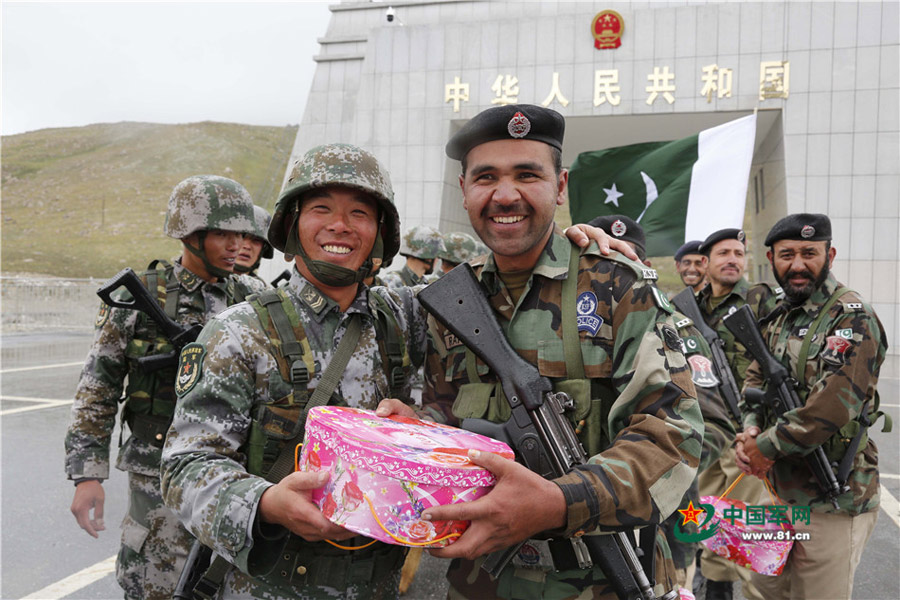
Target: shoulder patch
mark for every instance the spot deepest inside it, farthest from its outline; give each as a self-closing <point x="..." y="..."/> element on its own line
<point x="102" y="315"/>
<point x="702" y="371"/>
<point x="649" y="274"/>
<point x="662" y="300"/>
<point x="847" y="334"/>
<point x="672" y="340"/>
<point x="586" y="309"/>
<point x="190" y="367"/>
<point x="683" y="323"/>
<point x="853" y="306"/>
<point x="835" y="350"/>
<point x="691" y="344"/>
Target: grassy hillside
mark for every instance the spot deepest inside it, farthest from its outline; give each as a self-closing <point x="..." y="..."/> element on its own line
<point x="88" y="201"/>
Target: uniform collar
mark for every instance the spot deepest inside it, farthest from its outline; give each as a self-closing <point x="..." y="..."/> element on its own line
<point x="318" y="304"/>
<point x="740" y="289"/>
<point x="191" y="282"/>
<point x="553" y="262"/>
<point x="415" y="279"/>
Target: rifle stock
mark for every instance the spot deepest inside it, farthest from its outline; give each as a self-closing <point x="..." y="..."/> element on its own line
<point x="781" y="395"/>
<point x="538" y="430"/>
<point x="195" y="566"/>
<point x="142" y="300"/>
<point x="728" y="388"/>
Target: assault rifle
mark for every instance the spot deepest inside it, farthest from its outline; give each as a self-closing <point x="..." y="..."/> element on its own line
<point x="142" y="300"/>
<point x="728" y="388"/>
<point x="538" y="430"/>
<point x="781" y="395"/>
<point x="195" y="567"/>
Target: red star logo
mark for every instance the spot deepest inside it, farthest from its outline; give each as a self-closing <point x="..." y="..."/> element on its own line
<point x="187" y="368"/>
<point x="691" y="514"/>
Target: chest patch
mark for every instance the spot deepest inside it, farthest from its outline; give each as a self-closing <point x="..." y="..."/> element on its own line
<point x="586" y="309"/>
<point x="102" y="315"/>
<point x="702" y="371"/>
<point x="451" y="341"/>
<point x="691" y="345"/>
<point x="190" y="366"/>
<point x="835" y="350"/>
<point x="847" y="334"/>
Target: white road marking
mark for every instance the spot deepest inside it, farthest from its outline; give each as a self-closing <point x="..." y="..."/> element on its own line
<point x="888" y="476"/>
<point x="882" y="404"/>
<point x="53" y="366"/>
<point x="37" y="404"/>
<point x="75" y="582"/>
<point x="890" y="505"/>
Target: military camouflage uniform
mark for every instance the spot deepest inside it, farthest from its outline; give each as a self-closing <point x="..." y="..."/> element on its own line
<point x="154" y="544"/>
<point x="718" y="434"/>
<point x="636" y="413"/>
<point x="841" y="375"/>
<point x="405" y="277"/>
<point x="252" y="283"/>
<point x="204" y="474"/>
<point x="721" y="474"/>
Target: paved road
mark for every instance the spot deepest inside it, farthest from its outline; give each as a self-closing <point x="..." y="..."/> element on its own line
<point x="43" y="552"/>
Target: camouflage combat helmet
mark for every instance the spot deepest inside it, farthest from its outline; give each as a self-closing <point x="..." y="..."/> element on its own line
<point x="344" y="165"/>
<point x="460" y="248"/>
<point x="422" y="242"/>
<point x="261" y="220"/>
<point x="205" y="202"/>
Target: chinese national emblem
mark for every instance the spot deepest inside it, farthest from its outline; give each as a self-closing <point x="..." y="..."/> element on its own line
<point x="607" y="29"/>
<point x="518" y="126"/>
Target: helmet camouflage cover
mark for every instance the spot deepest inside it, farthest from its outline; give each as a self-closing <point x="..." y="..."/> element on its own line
<point x="336" y="164"/>
<point x="422" y="242"/>
<point x="205" y="202"/>
<point x="261" y="220"/>
<point x="460" y="248"/>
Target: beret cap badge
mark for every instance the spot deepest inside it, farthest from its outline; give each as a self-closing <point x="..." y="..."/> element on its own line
<point x="807" y="232"/>
<point x="618" y="228"/>
<point x="518" y="125"/>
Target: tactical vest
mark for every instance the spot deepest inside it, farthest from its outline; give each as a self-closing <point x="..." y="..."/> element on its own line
<point x="593" y="398"/>
<point x="150" y="397"/>
<point x="837" y="445"/>
<point x="274" y="423"/>
<point x="300" y="562"/>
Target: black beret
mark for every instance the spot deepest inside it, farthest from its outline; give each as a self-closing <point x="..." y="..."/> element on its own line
<point x="514" y="121"/>
<point x="692" y="247"/>
<point x="718" y="236"/>
<point x="623" y="228"/>
<point x="801" y="226"/>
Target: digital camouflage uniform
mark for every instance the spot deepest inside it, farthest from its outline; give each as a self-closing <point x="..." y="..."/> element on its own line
<point x="248" y="276"/>
<point x="204" y="474"/>
<point x="636" y="413"/>
<point x="718" y="434"/>
<point x="154" y="544"/>
<point x="839" y="378"/>
<point x="421" y="242"/>
<point x="461" y="247"/>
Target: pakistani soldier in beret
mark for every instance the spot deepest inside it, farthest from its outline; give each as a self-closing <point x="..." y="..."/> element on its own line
<point x="834" y="345"/>
<point x="638" y="417"/>
<point x="690" y="264"/>
<point x="728" y="290"/>
<point x="719" y="432"/>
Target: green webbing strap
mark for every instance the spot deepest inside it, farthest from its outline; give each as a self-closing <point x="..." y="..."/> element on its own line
<point x="393" y="345"/>
<point x="471" y="367"/>
<point x="284" y="464"/>
<point x="800" y="373"/>
<point x="291" y="349"/>
<point x="571" y="341"/>
<point x="172" y="288"/>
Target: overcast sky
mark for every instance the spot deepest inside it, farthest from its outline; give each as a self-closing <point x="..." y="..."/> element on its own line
<point x="75" y="63"/>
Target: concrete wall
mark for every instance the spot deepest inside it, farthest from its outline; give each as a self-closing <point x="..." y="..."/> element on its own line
<point x="32" y="304"/>
<point x="834" y="150"/>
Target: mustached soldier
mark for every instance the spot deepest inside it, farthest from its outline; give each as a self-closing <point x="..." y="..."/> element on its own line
<point x="718" y="431"/>
<point x="832" y="342"/>
<point x="209" y="215"/>
<point x="637" y="414"/>
<point x="259" y="364"/>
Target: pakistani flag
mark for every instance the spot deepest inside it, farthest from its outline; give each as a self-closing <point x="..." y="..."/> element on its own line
<point x="678" y="191"/>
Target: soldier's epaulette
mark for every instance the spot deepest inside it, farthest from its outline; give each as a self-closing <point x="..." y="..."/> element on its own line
<point x="775" y="290"/>
<point x="681" y="321"/>
<point x="639" y="269"/>
<point x="851" y="302"/>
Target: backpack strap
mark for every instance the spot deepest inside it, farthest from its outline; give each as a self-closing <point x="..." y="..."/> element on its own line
<point x="571" y="341"/>
<point x="296" y="358"/>
<point x="388" y="331"/>
<point x="800" y="372"/>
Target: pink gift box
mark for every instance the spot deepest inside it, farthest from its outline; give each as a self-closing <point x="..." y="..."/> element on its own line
<point x="386" y="471"/>
<point x="766" y="557"/>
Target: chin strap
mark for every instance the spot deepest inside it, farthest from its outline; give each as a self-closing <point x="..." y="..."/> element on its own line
<point x="201" y="254"/>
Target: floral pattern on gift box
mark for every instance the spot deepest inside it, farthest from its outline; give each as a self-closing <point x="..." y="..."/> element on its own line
<point x="386" y="472"/>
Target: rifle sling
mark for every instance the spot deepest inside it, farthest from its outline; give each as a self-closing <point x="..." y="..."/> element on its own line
<point x="284" y="464"/>
<point x="811" y="333"/>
